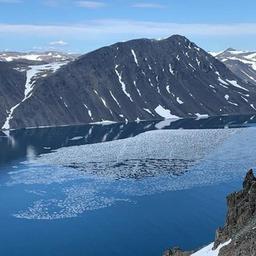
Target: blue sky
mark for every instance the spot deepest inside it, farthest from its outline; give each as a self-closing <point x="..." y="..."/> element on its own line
<point x="82" y="26"/>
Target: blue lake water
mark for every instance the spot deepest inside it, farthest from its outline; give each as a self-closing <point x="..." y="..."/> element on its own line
<point x="120" y="189"/>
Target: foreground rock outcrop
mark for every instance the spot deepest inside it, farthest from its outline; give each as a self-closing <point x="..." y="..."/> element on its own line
<point x="240" y="224"/>
<point x="238" y="236"/>
<point x="176" y="252"/>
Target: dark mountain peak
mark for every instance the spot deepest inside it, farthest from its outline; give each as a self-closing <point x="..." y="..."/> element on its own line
<point x="177" y="37"/>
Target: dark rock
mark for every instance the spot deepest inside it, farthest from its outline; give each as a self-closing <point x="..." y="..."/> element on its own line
<point x="176" y="252"/>
<point x="240" y="226"/>
<point x="11" y="88"/>
<point x="240" y="221"/>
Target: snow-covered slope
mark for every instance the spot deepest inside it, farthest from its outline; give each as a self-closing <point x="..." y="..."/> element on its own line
<point x="209" y="251"/>
<point x="48" y="57"/>
<point x="242" y="63"/>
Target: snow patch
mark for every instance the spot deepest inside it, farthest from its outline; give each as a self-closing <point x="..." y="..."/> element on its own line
<point x="201" y="116"/>
<point x="89" y="111"/>
<point x="179" y="100"/>
<point x="208" y="251"/>
<point x="168" y="89"/>
<point x="171" y="69"/>
<point x="135" y="57"/>
<point x="165" y="113"/>
<point x="138" y="90"/>
<point x="234" y="83"/>
<point x="115" y="99"/>
<point x="252" y="106"/>
<point x="147" y="110"/>
<point x="233" y="103"/>
<point x="119" y="75"/>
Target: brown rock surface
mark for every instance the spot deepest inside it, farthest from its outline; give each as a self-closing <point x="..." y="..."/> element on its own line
<point x="241" y="210"/>
<point x="176" y="252"/>
<point x="240" y="224"/>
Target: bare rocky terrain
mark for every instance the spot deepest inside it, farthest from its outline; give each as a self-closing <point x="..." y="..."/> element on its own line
<point x="239" y="231"/>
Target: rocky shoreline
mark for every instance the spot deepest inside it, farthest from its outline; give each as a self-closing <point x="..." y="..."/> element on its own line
<point x="238" y="236"/>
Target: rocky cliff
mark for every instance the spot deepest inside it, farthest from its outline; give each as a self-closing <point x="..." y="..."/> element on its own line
<point x="240" y="224"/>
<point x="238" y="236"/>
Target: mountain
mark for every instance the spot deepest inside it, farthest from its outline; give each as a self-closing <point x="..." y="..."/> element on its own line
<point x="38" y="57"/>
<point x="242" y="63"/>
<point x="136" y="80"/>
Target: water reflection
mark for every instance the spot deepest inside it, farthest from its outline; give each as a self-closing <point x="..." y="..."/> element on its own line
<point x="19" y="144"/>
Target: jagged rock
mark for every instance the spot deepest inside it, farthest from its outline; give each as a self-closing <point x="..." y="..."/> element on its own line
<point x="243" y="245"/>
<point x="240" y="226"/>
<point x="241" y="210"/>
<point x="176" y="251"/>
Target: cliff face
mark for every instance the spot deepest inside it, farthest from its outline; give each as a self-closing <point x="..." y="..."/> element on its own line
<point x="238" y="236"/>
<point x="240" y="224"/>
<point x="176" y="252"/>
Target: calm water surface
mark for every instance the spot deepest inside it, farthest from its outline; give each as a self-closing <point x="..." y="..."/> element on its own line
<point x="120" y="189"/>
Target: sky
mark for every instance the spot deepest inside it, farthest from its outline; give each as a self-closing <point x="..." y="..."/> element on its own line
<point x="82" y="26"/>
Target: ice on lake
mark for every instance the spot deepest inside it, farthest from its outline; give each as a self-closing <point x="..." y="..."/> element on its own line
<point x="72" y="180"/>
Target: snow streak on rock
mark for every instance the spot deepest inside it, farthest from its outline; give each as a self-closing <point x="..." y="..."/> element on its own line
<point x="33" y="73"/>
<point x="119" y="75"/>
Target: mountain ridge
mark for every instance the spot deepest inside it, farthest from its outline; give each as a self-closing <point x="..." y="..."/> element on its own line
<point x="242" y="63"/>
<point x="139" y="79"/>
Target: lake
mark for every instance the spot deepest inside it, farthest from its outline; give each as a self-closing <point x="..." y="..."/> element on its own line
<point x="120" y="189"/>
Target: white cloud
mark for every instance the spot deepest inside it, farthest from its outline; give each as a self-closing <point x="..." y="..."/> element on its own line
<point x="101" y="28"/>
<point x="148" y="5"/>
<point x="58" y="43"/>
<point x="11" y="1"/>
<point x="90" y="4"/>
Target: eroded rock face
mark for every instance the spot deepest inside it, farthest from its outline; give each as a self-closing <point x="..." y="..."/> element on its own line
<point x="176" y="252"/>
<point x="243" y="245"/>
<point x="240" y="226"/>
<point x="241" y="210"/>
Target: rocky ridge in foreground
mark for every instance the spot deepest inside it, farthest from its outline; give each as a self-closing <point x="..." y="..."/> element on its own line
<point x="238" y="236"/>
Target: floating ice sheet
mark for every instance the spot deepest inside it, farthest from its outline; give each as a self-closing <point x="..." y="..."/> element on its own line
<point x="73" y="180"/>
